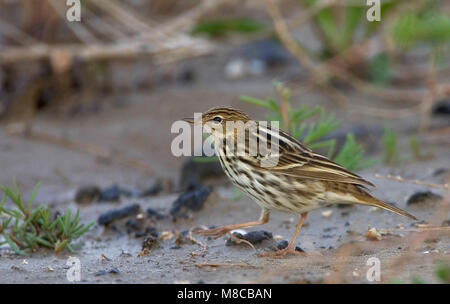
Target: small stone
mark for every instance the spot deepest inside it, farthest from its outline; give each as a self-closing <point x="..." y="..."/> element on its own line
<point x="327" y="213"/>
<point x="254" y="237"/>
<point x="149" y="243"/>
<point x="113" y="215"/>
<point x="155" y="214"/>
<point x="100" y="273"/>
<point x="282" y="244"/>
<point x="297" y="248"/>
<point x="373" y="235"/>
<point x="191" y="200"/>
<point x="87" y="194"/>
<point x="424" y="196"/>
<point x="110" y="194"/>
<point x="104" y="258"/>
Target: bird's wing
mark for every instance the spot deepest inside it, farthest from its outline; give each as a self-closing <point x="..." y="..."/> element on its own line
<point x="297" y="160"/>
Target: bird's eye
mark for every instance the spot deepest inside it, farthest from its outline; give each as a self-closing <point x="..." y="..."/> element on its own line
<point x="217" y="119"/>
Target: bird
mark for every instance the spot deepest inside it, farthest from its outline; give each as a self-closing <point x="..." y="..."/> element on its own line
<point x="297" y="181"/>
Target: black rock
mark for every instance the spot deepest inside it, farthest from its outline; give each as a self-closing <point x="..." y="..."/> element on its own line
<point x="116" y="214"/>
<point x="149" y="243"/>
<point x="110" y="194"/>
<point x="282" y="244"/>
<point x="442" y="107"/>
<point x="148" y="231"/>
<point x="254" y="237"/>
<point x="114" y="192"/>
<point x="87" y="194"/>
<point x="194" y="172"/>
<point x="155" y="214"/>
<point x="134" y="224"/>
<point x="104" y="272"/>
<point x="151" y="191"/>
<point x="299" y="249"/>
<point x="420" y="197"/>
<point x="191" y="200"/>
<point x="100" y="273"/>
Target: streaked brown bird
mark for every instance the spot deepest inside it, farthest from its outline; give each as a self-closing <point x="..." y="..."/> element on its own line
<point x="298" y="182"/>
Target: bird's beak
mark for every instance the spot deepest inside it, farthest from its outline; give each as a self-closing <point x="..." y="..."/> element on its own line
<point x="189" y="120"/>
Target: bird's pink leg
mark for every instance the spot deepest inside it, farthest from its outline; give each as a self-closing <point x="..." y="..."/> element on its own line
<point x="219" y="231"/>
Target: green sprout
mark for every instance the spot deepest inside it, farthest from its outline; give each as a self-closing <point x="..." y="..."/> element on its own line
<point x="26" y="230"/>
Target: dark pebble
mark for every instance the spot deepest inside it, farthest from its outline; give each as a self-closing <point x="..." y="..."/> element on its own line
<point x="100" y="273"/>
<point x="328" y="236"/>
<point x="191" y="200"/>
<point x="86" y="195"/>
<point x="254" y="237"/>
<point x="299" y="249"/>
<point x="134" y="224"/>
<point x="111" y="194"/>
<point x="155" y="214"/>
<point x="194" y="172"/>
<point x="110" y="216"/>
<point x="149" y="243"/>
<point x="282" y="244"/>
<point x="151" y="191"/>
<point x="328" y="229"/>
<point x="148" y="231"/>
<point x="423" y="196"/>
<point x="442" y="107"/>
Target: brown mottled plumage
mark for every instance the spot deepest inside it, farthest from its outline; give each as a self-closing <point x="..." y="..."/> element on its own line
<point x="299" y="180"/>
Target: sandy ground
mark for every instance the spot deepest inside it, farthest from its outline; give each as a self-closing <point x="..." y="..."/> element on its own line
<point x="336" y="247"/>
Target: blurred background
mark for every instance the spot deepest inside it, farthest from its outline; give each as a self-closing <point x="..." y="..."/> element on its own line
<point x="88" y="104"/>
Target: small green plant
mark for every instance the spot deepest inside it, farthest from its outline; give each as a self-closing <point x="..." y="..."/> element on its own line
<point x="416" y="149"/>
<point x="312" y="133"/>
<point x="26" y="229"/>
<point x="391" y="153"/>
<point x="217" y="28"/>
<point x="441" y="273"/>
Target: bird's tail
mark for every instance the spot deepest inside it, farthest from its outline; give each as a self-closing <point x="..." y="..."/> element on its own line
<point x="369" y="200"/>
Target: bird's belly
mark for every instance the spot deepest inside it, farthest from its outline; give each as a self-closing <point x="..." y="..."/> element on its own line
<point x="275" y="191"/>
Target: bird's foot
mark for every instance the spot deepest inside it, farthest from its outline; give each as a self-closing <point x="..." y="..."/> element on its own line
<point x="214" y="232"/>
<point x="282" y="253"/>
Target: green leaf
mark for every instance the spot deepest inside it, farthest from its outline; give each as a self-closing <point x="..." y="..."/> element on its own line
<point x="13" y="245"/>
<point x="33" y="195"/>
<point x="60" y="245"/>
<point x="258" y="102"/>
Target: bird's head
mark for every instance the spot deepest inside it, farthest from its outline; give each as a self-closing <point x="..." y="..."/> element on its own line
<point x="216" y="120"/>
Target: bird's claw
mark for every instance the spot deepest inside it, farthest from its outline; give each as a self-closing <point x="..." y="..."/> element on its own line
<point x="281" y="253"/>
